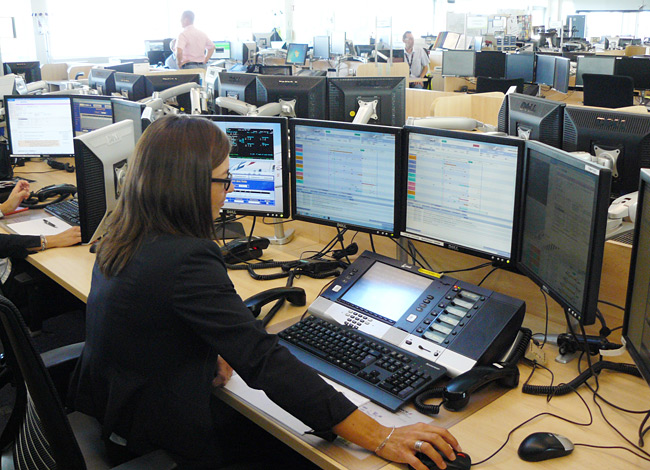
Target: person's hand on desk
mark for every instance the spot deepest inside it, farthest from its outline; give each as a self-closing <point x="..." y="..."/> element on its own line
<point x="223" y="374"/>
<point x="70" y="237"/>
<point x="17" y="195"/>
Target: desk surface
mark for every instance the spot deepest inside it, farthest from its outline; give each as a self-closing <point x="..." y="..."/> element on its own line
<point x="484" y="431"/>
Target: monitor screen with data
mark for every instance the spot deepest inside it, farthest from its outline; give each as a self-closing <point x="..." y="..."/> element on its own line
<point x="90" y="112"/>
<point x="462" y="191"/>
<point x="346" y="175"/>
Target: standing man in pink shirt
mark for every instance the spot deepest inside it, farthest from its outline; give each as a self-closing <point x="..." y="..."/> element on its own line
<point x="193" y="47"/>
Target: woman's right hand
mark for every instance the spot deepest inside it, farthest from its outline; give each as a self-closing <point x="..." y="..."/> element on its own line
<point x="70" y="237"/>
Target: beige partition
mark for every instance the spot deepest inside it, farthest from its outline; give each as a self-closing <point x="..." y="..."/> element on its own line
<point x="379" y="69"/>
<point x="483" y="107"/>
<point x="54" y="71"/>
<point x="635" y="50"/>
<point x="418" y="101"/>
<point x="73" y="70"/>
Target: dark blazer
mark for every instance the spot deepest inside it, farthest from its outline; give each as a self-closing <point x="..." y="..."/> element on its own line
<point x="153" y="333"/>
<point x="15" y="246"/>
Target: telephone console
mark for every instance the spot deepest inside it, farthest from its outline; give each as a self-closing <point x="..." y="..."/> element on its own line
<point x="444" y="320"/>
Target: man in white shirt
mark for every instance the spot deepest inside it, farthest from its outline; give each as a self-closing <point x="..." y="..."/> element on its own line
<point x="193" y="47"/>
<point x="417" y="58"/>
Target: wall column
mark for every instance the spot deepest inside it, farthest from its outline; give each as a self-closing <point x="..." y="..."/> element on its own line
<point x="41" y="22"/>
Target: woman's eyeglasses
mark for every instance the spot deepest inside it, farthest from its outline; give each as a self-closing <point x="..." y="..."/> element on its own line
<point x="227" y="181"/>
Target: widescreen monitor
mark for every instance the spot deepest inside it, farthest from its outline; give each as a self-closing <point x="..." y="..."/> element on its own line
<point x="562" y="237"/>
<point x="102" y="80"/>
<point x="297" y="54"/>
<point x="39" y="125"/>
<point x="345" y="93"/>
<point x="458" y="63"/>
<point x="91" y="112"/>
<point x="321" y="47"/>
<point x="602" y="65"/>
<point x="521" y="66"/>
<point x="239" y="86"/>
<point x="613" y="135"/>
<point x="30" y="71"/>
<point x="132" y="86"/>
<point x="638" y="68"/>
<point x="545" y="70"/>
<point x="451" y="40"/>
<point x="346" y="175"/>
<point x="561" y="76"/>
<point x="462" y="191"/>
<point x="221" y="50"/>
<point x="309" y="94"/>
<point x="125" y="109"/>
<point x="490" y="64"/>
<point x="636" y="323"/>
<point x="101" y="161"/>
<point x="259" y="157"/>
<point x="533" y="118"/>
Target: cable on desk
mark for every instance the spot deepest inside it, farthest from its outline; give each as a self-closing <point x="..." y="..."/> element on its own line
<point x="417" y="253"/>
<point x="611" y="304"/>
<point x="473" y="268"/>
<point x="487" y="275"/>
<point x="415" y="261"/>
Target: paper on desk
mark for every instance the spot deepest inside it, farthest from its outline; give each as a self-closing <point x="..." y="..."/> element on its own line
<point x="39" y="227"/>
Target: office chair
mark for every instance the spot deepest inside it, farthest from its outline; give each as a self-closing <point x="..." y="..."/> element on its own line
<point x="487" y="84"/>
<point x="607" y="91"/>
<point x="39" y="435"/>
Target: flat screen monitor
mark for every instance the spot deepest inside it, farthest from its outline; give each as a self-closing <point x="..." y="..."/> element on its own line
<point x="297" y="54"/>
<point x="221" y="50"/>
<point x="321" y="47"/>
<point x="102" y="80"/>
<point x="90" y="112"/>
<point x="263" y="40"/>
<point x="132" y="86"/>
<point x="602" y="65"/>
<point x="165" y="81"/>
<point x="125" y="109"/>
<point x="451" y="40"/>
<point x="389" y="92"/>
<point x="636" y="323"/>
<point x="545" y="70"/>
<point x="346" y="175"/>
<point x="561" y="77"/>
<point x="338" y="43"/>
<point x="638" y="68"/>
<point x="458" y="63"/>
<point x="259" y="157"/>
<point x="309" y="93"/>
<point x="533" y="118"/>
<point x="126" y="67"/>
<point x="30" y="71"/>
<point x="361" y="49"/>
<point x="101" y="161"/>
<point x="562" y="238"/>
<point x="490" y="64"/>
<point x="462" y="191"/>
<point x="276" y="70"/>
<point x="614" y="136"/>
<point x="239" y="86"/>
<point x="521" y="66"/>
<point x="244" y="52"/>
<point x="39" y="125"/>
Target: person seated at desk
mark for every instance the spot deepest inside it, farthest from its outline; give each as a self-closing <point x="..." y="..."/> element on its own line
<point x="165" y="324"/>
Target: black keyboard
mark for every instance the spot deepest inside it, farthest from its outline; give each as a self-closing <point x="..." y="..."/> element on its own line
<point x="385" y="374"/>
<point x="67" y="210"/>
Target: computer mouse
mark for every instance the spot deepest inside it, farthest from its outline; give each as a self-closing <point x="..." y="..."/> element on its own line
<point x="544" y="445"/>
<point x="462" y="462"/>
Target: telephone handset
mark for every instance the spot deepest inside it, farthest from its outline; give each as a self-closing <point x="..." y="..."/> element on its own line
<point x="39" y="199"/>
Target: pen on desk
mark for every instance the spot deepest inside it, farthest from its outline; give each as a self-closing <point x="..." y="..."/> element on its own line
<point x="47" y="222"/>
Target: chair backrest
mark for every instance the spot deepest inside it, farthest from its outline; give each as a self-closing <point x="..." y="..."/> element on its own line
<point x="54" y="71"/>
<point x="44" y="440"/>
<point x="487" y="84"/>
<point x="74" y="70"/>
<point x="607" y="91"/>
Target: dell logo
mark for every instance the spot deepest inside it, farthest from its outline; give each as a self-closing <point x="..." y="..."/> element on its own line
<point x="525" y="106"/>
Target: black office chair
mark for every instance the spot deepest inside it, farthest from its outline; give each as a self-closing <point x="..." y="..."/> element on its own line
<point x="487" y="84"/>
<point x="607" y="91"/>
<point x="39" y="435"/>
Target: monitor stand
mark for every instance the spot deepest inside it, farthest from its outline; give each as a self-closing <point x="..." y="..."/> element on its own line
<point x="281" y="237"/>
<point x="227" y="229"/>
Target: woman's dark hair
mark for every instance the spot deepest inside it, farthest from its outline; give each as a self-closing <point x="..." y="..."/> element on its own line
<point x="167" y="188"/>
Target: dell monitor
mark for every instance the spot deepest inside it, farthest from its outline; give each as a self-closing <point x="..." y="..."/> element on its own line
<point x="297" y="54"/>
<point x="126" y="67"/>
<point x="221" y="50"/>
<point x="346" y="175"/>
<point x="345" y="93"/>
<point x="158" y="50"/>
<point x="39" y="125"/>
<point x="533" y="118"/>
<point x="30" y="71"/>
<point x="620" y="140"/>
<point x="125" y="109"/>
<point x="263" y="40"/>
<point x="309" y="94"/>
<point x="637" y="68"/>
<point x="636" y="323"/>
<point x="520" y="66"/>
<point x="91" y="112"/>
<point x="164" y="81"/>
<point x="562" y="238"/>
<point x="462" y="191"/>
<point x="101" y="161"/>
<point x="601" y="65"/>
<point x="239" y="86"/>
<point x="458" y="63"/>
<point x="276" y="70"/>
<point x="321" y="47"/>
<point x="259" y="157"/>
<point x="132" y="86"/>
<point x="490" y="64"/>
<point x="102" y="80"/>
<point x="561" y="75"/>
<point x="545" y="70"/>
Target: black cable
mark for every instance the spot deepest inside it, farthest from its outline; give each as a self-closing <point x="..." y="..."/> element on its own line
<point x="611" y="304"/>
<point x="546" y="320"/>
<point x="643" y="431"/>
<point x="372" y="243"/>
<point x="473" y="268"/>
<point x="340" y="237"/>
<point x="613" y="447"/>
<point x="487" y="275"/>
<point x="415" y="261"/>
<point x="417" y="252"/>
<point x="277" y="306"/>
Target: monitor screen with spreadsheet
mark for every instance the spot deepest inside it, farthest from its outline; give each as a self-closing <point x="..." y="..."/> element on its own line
<point x="346" y="175"/>
<point x="91" y="112"/>
<point x="462" y="191"/>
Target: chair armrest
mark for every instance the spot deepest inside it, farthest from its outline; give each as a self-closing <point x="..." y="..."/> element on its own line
<point x="60" y="363"/>
<point x="156" y="460"/>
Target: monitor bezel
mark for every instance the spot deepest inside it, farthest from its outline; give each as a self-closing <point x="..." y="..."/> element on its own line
<point x="285" y="213"/>
<point x="459" y="52"/>
<point x="291" y="45"/>
<point x="527" y="106"/>
<point x="509" y="58"/>
<point x="396" y="131"/>
<point x="99" y="98"/>
<point x="482" y="60"/>
<point x="305" y="85"/>
<point x="588" y="58"/>
<point x="26" y="65"/>
<point x="537" y="63"/>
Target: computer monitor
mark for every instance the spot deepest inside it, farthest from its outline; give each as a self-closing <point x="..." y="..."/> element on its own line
<point x="462" y="191"/>
<point x="477" y="43"/>
<point x="361" y="49"/>
<point x="602" y="65"/>
<point x="102" y="80"/>
<point x="240" y="86"/>
<point x="636" y="322"/>
<point x="561" y="76"/>
<point x="490" y="64"/>
<point x="132" y="86"/>
<point x="30" y="71"/>
<point x="562" y="237"/>
<point x="638" y="68"/>
<point x="126" y="67"/>
<point x="613" y="136"/>
<point x="545" y="70"/>
<point x="276" y="69"/>
<point x="458" y="63"/>
<point x="338" y="43"/>
<point x="297" y="54"/>
<point x="158" y="50"/>
<point x="221" y="50"/>
<point x="91" y="112"/>
<point x="451" y="40"/>
<point x="39" y="125"/>
<point x="346" y="175"/>
<point x="521" y="66"/>
<point x="533" y="118"/>
<point x="263" y="40"/>
<point x="125" y="109"/>
<point x="345" y="93"/>
<point x="259" y="157"/>
<point x="244" y="52"/>
<point x="321" y="47"/>
<point x="309" y="93"/>
<point x="100" y="159"/>
<point x="164" y="81"/>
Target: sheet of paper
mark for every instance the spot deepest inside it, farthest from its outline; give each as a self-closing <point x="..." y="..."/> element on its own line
<point x="41" y="226"/>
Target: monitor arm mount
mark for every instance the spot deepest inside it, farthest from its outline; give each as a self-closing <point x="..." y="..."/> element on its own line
<point x="37" y="88"/>
<point x="451" y="123"/>
<point x="367" y="110"/>
<point x="245" y="109"/>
